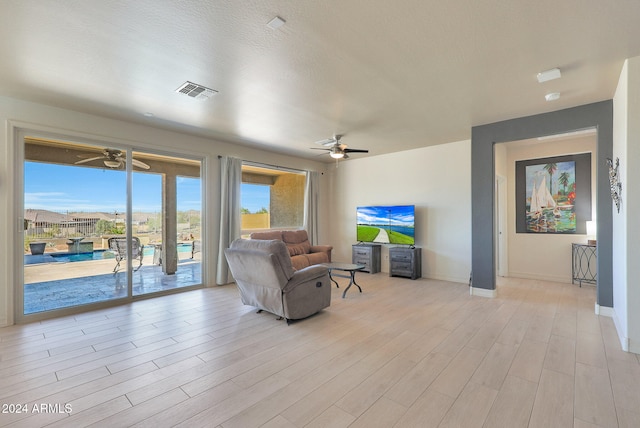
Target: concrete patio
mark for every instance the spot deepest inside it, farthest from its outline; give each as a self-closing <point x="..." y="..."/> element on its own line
<point x="57" y="285"/>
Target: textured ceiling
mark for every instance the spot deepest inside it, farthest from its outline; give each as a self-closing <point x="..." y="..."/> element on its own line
<point x="389" y="75"/>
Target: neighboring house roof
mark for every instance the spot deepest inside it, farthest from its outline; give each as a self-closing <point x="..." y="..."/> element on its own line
<point x="45" y="216"/>
<point x="94" y="215"/>
<point x="39" y="216"/>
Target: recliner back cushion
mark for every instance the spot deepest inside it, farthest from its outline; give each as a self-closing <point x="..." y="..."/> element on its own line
<point x="295" y="236"/>
<point x="298" y="249"/>
<point x="280" y="260"/>
<point x="297" y="242"/>
<point x="267" y="236"/>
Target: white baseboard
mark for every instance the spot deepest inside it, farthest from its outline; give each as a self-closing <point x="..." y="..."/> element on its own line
<point x="459" y="280"/>
<point x="606" y="312"/>
<point x="626" y="343"/>
<point x="542" y="277"/>
<point x="624" y="340"/>
<point x="483" y="292"/>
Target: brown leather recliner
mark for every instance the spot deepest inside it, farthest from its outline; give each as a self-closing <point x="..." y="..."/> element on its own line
<point x="302" y="253"/>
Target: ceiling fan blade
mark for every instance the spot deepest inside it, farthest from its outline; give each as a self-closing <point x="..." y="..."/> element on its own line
<point x="327" y="142"/>
<point x="320" y="148"/>
<point x="140" y="164"/>
<point x="89" y="160"/>
<point x="356" y="151"/>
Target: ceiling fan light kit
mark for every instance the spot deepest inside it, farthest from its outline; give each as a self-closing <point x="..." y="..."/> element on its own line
<point x="336" y="149"/>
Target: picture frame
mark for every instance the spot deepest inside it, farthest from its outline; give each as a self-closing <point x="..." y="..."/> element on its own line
<point x="553" y="194"/>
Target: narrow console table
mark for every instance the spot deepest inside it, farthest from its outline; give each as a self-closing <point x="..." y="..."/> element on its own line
<point x="584" y="265"/>
<point x="405" y="261"/>
<point x="367" y="255"/>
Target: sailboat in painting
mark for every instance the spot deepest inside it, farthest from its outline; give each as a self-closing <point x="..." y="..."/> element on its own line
<point x="541" y="198"/>
<point x="541" y="203"/>
<point x="550" y="197"/>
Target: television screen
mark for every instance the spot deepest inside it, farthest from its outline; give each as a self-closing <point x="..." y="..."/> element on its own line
<point x="386" y="224"/>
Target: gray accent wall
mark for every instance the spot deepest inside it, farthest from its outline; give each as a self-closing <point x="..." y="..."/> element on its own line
<point x="483" y="138"/>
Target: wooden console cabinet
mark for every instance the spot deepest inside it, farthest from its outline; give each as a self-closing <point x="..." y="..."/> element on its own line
<point x="405" y="261"/>
<point x="367" y="255"/>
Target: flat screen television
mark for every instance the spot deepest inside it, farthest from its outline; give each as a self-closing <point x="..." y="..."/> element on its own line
<point x="394" y="224"/>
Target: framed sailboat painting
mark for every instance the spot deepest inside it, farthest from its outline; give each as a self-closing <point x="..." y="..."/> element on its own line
<point x="553" y="194"/>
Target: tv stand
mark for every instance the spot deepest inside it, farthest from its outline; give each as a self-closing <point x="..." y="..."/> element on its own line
<point x="367" y="255"/>
<point x="405" y="261"/>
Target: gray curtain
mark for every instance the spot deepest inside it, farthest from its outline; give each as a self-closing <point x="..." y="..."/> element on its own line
<point x="311" y="204"/>
<point x="230" y="181"/>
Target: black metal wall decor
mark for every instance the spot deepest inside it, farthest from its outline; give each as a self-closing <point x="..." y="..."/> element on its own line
<point x="614" y="182"/>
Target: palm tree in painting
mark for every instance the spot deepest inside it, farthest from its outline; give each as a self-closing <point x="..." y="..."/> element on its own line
<point x="551" y="168"/>
<point x="564" y="180"/>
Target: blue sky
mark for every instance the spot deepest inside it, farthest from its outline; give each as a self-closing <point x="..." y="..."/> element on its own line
<point x="254" y="197"/>
<point x="63" y="188"/>
<point x="67" y="188"/>
<point x="399" y="215"/>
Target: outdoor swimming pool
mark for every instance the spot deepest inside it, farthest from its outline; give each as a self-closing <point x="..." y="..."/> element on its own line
<point x="95" y="255"/>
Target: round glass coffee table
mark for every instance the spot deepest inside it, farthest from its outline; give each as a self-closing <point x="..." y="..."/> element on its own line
<point x="344" y="267"/>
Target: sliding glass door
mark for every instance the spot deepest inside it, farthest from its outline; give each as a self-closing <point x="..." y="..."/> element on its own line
<point x="166" y="220"/>
<point x="103" y="224"/>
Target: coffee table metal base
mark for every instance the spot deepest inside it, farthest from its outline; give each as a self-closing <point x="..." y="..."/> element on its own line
<point x="346" y="267"/>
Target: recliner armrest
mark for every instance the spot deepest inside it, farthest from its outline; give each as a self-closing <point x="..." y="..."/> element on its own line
<point x="305" y="275"/>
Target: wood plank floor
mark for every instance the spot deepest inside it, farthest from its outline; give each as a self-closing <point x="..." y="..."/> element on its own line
<point x="401" y="354"/>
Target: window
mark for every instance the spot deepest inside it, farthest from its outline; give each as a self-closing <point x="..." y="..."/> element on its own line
<point x="271" y="198"/>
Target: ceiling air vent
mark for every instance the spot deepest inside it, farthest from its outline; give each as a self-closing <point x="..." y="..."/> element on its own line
<point x="196" y="91"/>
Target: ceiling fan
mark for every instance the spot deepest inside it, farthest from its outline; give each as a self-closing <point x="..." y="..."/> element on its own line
<point x="112" y="158"/>
<point x="336" y="149"/>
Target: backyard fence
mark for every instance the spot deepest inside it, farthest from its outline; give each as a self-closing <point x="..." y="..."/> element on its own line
<point x="46" y="224"/>
<point x="40" y="224"/>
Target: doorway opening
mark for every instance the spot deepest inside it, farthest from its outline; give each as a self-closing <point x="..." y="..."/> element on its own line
<point x="544" y="250"/>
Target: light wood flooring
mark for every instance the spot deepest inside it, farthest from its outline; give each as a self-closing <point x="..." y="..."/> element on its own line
<point x="401" y="354"/>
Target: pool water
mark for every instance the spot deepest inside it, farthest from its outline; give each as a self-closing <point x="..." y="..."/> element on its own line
<point x="95" y="255"/>
<point x="82" y="257"/>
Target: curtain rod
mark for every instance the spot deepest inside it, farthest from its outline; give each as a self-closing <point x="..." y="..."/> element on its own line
<point x="282" y="168"/>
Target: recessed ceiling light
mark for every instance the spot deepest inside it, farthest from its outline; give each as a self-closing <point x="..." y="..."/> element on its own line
<point x="545" y="76"/>
<point x="147" y="114"/>
<point x="276" y="23"/>
<point x="552" y="96"/>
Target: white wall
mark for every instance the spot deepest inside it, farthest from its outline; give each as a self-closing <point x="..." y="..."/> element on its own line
<point x="543" y="256"/>
<point x="620" y="124"/>
<point x="626" y="228"/>
<point x="437" y="180"/>
<point x="630" y="193"/>
<point x="21" y="114"/>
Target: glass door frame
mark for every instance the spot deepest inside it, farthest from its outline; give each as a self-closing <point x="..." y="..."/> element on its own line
<point x="16" y="311"/>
